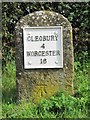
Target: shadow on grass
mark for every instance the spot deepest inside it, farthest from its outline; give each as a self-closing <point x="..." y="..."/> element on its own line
<point x="9" y="83"/>
<point x="9" y="96"/>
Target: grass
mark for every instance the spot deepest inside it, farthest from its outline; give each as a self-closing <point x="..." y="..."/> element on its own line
<point x="57" y="106"/>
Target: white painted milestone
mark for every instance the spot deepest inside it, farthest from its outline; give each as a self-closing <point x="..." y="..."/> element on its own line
<point x="43" y="47"/>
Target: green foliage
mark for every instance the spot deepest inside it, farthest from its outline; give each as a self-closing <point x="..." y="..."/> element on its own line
<point x="57" y="106"/>
<point x="62" y="106"/>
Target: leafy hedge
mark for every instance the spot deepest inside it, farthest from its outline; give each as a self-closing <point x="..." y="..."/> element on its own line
<point x="77" y="14"/>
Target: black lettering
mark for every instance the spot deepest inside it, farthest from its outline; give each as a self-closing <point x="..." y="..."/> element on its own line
<point x="43" y="46"/>
<point x="54" y="53"/>
<point x="36" y="38"/>
<point x="50" y="53"/>
<point x="44" y="38"/>
<point x="30" y="38"/>
<point x="58" y="53"/>
<point x="52" y="37"/>
<point x="40" y="38"/>
<point x="47" y="38"/>
<point x="32" y="53"/>
<point x="40" y="53"/>
<point x="43" y="61"/>
<point x="56" y="37"/>
<point x="47" y="53"/>
<point x="35" y="53"/>
<point x="28" y="53"/>
<point x="43" y="53"/>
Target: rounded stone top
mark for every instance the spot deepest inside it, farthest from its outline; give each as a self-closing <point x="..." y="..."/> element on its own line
<point x="43" y="18"/>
